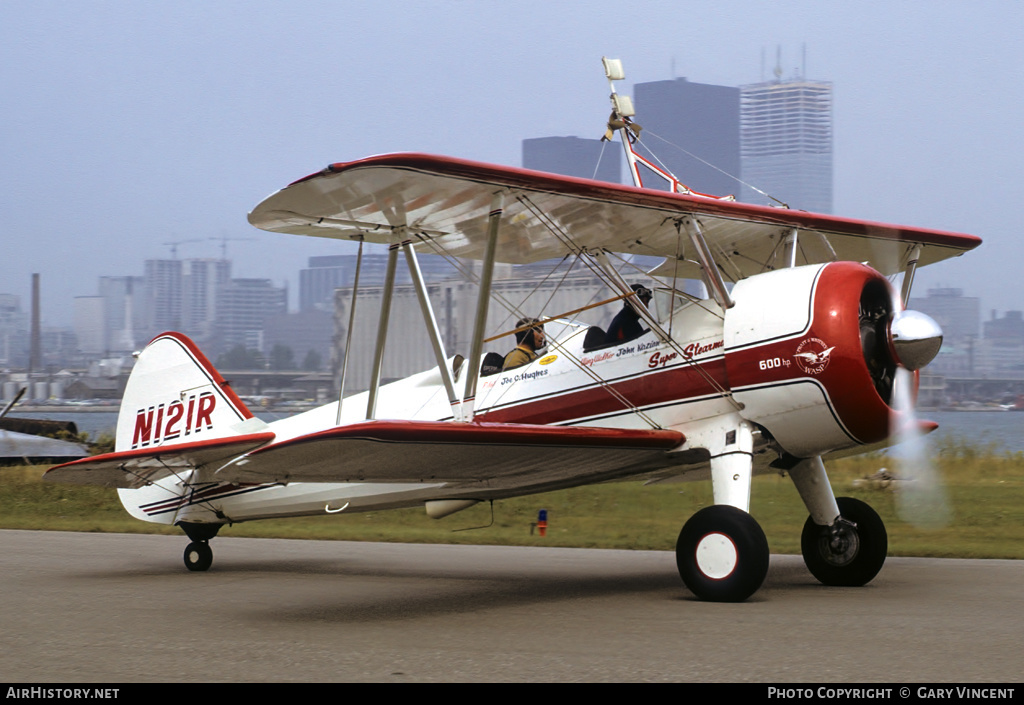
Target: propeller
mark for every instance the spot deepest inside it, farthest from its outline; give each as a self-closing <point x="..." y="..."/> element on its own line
<point x="897" y="342"/>
<point x="915" y="339"/>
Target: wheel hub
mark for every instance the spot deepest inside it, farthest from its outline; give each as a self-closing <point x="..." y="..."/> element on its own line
<point x="716" y="556"/>
<point x="840" y="544"/>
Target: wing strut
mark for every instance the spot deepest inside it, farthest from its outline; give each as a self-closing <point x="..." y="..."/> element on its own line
<point x="790" y="245"/>
<point x="493" y="223"/>
<point x="432" y="330"/>
<point x="616" y="281"/>
<point x="348" y="333"/>
<point x="908" y="274"/>
<point x="712" y="277"/>
<point x="382" y="331"/>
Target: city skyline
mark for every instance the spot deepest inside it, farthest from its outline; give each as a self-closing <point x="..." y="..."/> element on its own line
<point x="128" y="126"/>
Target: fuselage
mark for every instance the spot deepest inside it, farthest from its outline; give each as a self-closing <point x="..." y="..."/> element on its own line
<point x="688" y="383"/>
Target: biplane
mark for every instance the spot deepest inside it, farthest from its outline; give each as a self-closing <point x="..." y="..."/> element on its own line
<point x="796" y="352"/>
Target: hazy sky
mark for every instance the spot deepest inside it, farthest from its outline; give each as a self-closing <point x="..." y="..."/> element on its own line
<point x="127" y="124"/>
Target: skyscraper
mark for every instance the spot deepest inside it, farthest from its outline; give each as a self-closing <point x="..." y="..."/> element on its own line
<point x="574" y="156"/>
<point x="163" y="284"/>
<point x="786" y="142"/>
<point x="327" y="273"/>
<point x="243" y="305"/>
<point x="694" y="129"/>
<point x="202" y="280"/>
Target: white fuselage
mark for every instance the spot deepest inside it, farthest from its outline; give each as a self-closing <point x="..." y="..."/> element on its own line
<point x="673" y="386"/>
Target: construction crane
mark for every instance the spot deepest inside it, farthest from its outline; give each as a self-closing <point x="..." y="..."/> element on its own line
<point x="174" y="245"/>
<point x="224" y="243"/>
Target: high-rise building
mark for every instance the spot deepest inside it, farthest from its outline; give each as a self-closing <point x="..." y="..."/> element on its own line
<point x="91" y="324"/>
<point x="202" y="280"/>
<point x="325" y="274"/>
<point x="958" y="315"/>
<point x="574" y="156"/>
<point x="786" y="143"/>
<point x="1007" y="331"/>
<point x="243" y="307"/>
<point x="13" y="330"/>
<point x="122" y="317"/>
<point x="694" y="130"/>
<point x="163" y="285"/>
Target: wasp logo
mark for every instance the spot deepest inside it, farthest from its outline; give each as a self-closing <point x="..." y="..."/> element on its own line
<point x="167" y="422"/>
<point x="813" y="355"/>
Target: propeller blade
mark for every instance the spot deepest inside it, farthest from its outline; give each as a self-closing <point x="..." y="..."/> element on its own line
<point x="920" y="495"/>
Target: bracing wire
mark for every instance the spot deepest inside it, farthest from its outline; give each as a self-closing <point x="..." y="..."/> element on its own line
<point x="706" y="163"/>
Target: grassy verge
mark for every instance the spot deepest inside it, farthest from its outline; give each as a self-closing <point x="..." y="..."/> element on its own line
<point x="985" y="492"/>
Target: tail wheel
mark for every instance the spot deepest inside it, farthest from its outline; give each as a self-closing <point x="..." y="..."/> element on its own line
<point x="722" y="554"/>
<point x="851" y="554"/>
<point x="198" y="556"/>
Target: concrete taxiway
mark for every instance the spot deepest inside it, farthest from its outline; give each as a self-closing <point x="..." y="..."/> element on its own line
<point x="117" y="608"/>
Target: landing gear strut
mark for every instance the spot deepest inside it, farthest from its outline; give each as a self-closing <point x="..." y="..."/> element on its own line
<point x="722" y="554"/>
<point x="851" y="551"/>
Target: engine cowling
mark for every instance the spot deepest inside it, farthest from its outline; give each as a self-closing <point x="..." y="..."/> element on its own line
<point x="809" y="354"/>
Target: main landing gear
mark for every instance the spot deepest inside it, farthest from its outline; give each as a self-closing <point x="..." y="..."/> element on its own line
<point x="722" y="554"/>
<point x="844" y="540"/>
<point x="851" y="551"/>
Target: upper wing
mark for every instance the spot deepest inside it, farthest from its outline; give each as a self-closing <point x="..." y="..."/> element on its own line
<point x="434" y="451"/>
<point x="392" y="198"/>
<point x="136" y="468"/>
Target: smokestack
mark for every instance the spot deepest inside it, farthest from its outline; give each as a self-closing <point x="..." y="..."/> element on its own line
<point x="35" y="355"/>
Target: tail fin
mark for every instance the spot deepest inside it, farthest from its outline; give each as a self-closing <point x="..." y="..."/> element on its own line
<point x="174" y="395"/>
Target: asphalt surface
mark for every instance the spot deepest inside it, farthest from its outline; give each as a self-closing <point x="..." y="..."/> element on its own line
<point x="115" y="608"/>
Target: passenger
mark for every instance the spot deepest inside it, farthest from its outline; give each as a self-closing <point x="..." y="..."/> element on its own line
<point x="528" y="342"/>
<point x="626" y="325"/>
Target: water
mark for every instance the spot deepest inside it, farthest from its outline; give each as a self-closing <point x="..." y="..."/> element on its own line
<point x="1004" y="430"/>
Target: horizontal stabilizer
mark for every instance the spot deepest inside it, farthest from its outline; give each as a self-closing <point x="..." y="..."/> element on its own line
<point x="417" y="451"/>
<point x="132" y="469"/>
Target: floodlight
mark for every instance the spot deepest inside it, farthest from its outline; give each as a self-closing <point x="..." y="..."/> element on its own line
<point x="622" y="105"/>
<point x="613" y="69"/>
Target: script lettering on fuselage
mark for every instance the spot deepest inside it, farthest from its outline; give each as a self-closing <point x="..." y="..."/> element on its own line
<point x="600" y="357"/>
<point x="692" y="350"/>
<point x="524" y="377"/>
<point x="589" y="360"/>
<point x="172" y="420"/>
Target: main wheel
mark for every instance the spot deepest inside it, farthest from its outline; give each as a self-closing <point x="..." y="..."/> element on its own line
<point x="722" y="554"/>
<point x="198" y="556"/>
<point x="855" y="554"/>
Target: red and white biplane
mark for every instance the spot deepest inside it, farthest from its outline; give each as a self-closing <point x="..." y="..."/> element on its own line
<point x="796" y="356"/>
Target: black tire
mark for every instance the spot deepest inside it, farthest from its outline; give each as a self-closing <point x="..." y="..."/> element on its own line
<point x="198" y="556"/>
<point x="722" y="554"/>
<point x="861" y="553"/>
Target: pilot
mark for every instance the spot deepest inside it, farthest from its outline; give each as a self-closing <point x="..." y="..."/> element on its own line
<point x="626" y="325"/>
<point x="528" y="342"/>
